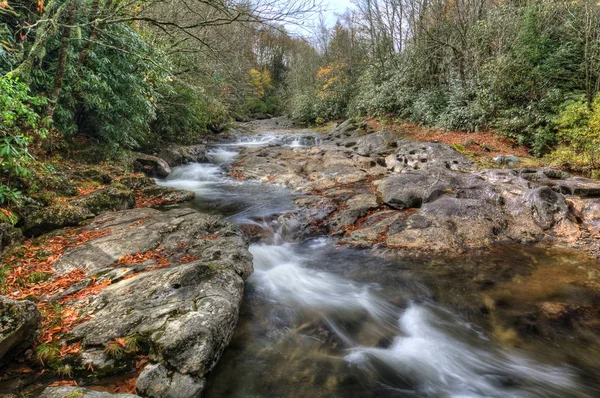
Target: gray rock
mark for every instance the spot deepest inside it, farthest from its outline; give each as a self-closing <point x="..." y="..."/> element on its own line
<point x="185" y="306"/>
<point x="412" y="155"/>
<point x="156" y="381"/>
<point x="56" y="216"/>
<point x="506" y="160"/>
<point x="358" y="206"/>
<point x="79" y="392"/>
<point x="412" y="189"/>
<point x="19" y="322"/>
<point x="176" y="155"/>
<point x="547" y="206"/>
<point x="151" y="165"/>
<point x="376" y="144"/>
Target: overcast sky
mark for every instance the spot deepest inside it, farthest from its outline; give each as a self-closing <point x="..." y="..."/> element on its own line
<point x="336" y="6"/>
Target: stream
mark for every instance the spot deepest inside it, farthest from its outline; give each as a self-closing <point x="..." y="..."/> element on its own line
<point x="323" y="320"/>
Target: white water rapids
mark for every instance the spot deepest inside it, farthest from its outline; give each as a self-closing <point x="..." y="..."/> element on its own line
<point x="312" y="299"/>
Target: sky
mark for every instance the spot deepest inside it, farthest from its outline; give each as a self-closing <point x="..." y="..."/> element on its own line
<point x="336" y="6"/>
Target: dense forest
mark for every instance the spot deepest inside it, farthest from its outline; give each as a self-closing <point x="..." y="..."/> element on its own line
<point x="135" y="74"/>
<point x="527" y="69"/>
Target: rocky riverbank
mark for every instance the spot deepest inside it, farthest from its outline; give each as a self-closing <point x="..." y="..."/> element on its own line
<point x="379" y="189"/>
<point x="115" y="288"/>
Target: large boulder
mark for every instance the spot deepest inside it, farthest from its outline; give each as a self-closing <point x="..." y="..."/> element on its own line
<point x="155" y="381"/>
<point x="176" y="155"/>
<point x="547" y="206"/>
<point x="19" y="322"/>
<point x="412" y="189"/>
<point x="115" y="197"/>
<point x="182" y="300"/>
<point x="79" y="392"/>
<point x="376" y="144"/>
<point x="58" y="215"/>
<point x="151" y="166"/>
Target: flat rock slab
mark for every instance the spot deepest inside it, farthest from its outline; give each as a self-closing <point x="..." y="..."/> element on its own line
<point x="177" y="284"/>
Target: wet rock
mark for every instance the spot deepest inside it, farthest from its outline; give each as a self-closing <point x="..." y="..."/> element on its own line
<point x="152" y="166"/>
<point x="412" y="189"/>
<point x="357" y="207"/>
<point x="177" y="155"/>
<point x="506" y="160"/>
<point x="564" y="313"/>
<point x="156" y="381"/>
<point x="19" y="322"/>
<point x="376" y="144"/>
<point x="547" y="206"/>
<point x="56" y="216"/>
<point x="577" y="186"/>
<point x="115" y="197"/>
<point x="183" y="302"/>
<point x="79" y="392"/>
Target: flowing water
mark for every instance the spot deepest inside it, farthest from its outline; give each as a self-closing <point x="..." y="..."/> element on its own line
<point x="322" y="320"/>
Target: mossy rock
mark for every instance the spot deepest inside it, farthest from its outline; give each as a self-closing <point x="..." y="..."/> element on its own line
<point x="168" y="194"/>
<point x="19" y="321"/>
<point x="96" y="174"/>
<point x="137" y="182"/>
<point x="115" y="197"/>
<point x="53" y="217"/>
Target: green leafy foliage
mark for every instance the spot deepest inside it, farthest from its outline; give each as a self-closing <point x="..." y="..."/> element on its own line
<point x="20" y="125"/>
<point x="578" y="128"/>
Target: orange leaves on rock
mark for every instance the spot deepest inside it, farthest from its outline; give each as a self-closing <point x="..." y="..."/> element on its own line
<point x="148" y="201"/>
<point x="210" y="237"/>
<point x="36" y="258"/>
<point x="88" y="190"/>
<point x="188" y="259"/>
<point x="139" y="222"/>
<point x="56" y="321"/>
<point x="52" y="287"/>
<point x="126" y="386"/>
<point x="70" y="349"/>
<point x="63" y="383"/>
<point x="158" y="255"/>
<point x="94" y="288"/>
<point x="39" y="257"/>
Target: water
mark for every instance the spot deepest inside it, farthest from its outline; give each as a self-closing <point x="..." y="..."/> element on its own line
<point x="322" y="320"/>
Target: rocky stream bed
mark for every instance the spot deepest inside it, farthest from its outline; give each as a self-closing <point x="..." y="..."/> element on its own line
<point x="357" y="264"/>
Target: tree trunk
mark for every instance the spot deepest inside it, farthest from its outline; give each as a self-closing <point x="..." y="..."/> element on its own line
<point x="63" y="52"/>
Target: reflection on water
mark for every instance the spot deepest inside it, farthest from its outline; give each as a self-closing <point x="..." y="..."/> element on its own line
<point x="321" y="320"/>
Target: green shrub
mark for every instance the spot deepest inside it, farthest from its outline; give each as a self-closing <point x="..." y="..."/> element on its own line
<point x="20" y="125"/>
<point x="578" y="126"/>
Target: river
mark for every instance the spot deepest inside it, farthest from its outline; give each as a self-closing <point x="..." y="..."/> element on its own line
<point x="324" y="320"/>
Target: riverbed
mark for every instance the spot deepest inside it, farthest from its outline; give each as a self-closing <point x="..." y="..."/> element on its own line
<point x="327" y="320"/>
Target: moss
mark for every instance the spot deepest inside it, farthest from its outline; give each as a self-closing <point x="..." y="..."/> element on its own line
<point x="115" y="197"/>
<point x="58" y="215"/>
